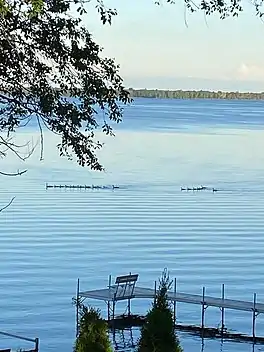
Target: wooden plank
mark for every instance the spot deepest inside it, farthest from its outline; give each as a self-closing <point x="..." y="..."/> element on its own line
<point x="126" y="278"/>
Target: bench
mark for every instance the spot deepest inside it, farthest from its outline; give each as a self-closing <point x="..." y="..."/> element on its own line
<point x="125" y="286"/>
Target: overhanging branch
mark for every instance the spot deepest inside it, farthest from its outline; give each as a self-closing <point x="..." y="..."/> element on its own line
<point x="18" y="173"/>
<point x="7" y="205"/>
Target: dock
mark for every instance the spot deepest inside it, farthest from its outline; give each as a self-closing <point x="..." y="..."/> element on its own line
<point x="81" y="186"/>
<point x="125" y="289"/>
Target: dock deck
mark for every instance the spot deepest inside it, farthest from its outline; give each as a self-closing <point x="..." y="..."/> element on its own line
<point x="142" y="292"/>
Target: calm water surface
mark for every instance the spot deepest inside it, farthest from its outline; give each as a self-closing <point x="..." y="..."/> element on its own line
<point x="50" y="238"/>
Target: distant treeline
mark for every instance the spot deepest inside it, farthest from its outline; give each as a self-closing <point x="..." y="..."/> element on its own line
<point x="193" y="94"/>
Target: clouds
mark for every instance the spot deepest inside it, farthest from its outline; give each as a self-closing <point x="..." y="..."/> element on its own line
<point x="250" y="72"/>
<point x="155" y="49"/>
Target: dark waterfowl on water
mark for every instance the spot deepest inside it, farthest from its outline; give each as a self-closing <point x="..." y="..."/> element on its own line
<point x="82" y="186"/>
<point x="199" y="188"/>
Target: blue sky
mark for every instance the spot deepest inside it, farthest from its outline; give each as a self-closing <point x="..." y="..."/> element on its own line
<point x="156" y="49"/>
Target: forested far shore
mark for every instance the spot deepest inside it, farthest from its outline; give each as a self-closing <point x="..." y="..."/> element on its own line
<point x="193" y="94"/>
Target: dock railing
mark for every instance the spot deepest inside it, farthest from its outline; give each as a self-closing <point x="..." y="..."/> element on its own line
<point x="35" y="341"/>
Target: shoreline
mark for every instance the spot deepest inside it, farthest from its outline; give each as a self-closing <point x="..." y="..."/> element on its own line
<point x="194" y="94"/>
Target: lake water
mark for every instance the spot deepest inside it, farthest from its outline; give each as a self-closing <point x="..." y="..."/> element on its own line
<point x="49" y="238"/>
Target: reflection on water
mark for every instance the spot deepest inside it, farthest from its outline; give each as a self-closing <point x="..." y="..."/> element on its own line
<point x="48" y="238"/>
<point x="126" y="340"/>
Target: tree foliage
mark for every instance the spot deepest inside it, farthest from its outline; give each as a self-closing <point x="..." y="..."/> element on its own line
<point x="93" y="333"/>
<point x="221" y="7"/>
<point x="158" y="333"/>
<point x="33" y="6"/>
<point x="51" y="70"/>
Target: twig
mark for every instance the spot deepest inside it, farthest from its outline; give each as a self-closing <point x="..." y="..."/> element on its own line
<point x="41" y="139"/>
<point x="185" y="15"/>
<point x="13" y="148"/>
<point x="18" y="173"/>
<point x="6" y="206"/>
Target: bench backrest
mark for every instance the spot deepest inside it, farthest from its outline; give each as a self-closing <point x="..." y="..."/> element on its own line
<point x="126" y="278"/>
<point x="125" y="286"/>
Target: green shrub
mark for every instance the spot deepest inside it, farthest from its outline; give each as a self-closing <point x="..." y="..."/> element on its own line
<point x="158" y="333"/>
<point x="93" y="332"/>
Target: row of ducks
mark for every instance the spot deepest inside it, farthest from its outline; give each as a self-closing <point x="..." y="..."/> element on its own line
<point x="82" y="186"/>
<point x="201" y="188"/>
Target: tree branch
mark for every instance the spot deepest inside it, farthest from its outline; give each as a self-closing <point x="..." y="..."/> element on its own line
<point x="18" y="173"/>
<point x="6" y="206"/>
<point x="41" y="139"/>
<point x="14" y="149"/>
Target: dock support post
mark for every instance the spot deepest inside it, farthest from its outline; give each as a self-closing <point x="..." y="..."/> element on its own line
<point x="109" y="297"/>
<point x="108" y="311"/>
<point x="77" y="307"/>
<point x="129" y="303"/>
<point x="254" y="317"/>
<point x="223" y="310"/>
<point x="37" y="344"/>
<point x="114" y="303"/>
<point x="203" y="308"/>
<point x="113" y="311"/>
<point x="174" y="301"/>
<point x="129" y="307"/>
